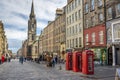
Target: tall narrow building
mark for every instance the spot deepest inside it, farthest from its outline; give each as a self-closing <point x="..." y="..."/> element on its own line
<point x="74" y="25"/>
<point x="95" y="29"/>
<point x="31" y="30"/>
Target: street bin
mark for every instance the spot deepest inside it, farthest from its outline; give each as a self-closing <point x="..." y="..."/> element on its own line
<point x="87" y="62"/>
<point x="77" y="61"/>
<point x="69" y="61"/>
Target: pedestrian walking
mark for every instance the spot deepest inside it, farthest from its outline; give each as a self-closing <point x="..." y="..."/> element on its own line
<point x="9" y="59"/>
<point x="53" y="62"/>
<point x="56" y="59"/>
<point x="21" y="59"/>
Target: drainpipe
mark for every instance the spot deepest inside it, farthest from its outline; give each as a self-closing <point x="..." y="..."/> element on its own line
<point x="105" y="29"/>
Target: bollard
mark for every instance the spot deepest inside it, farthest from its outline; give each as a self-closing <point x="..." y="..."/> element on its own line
<point x="117" y="76"/>
<point x="60" y="68"/>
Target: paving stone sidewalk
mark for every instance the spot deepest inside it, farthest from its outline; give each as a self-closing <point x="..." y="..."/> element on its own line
<point x="33" y="71"/>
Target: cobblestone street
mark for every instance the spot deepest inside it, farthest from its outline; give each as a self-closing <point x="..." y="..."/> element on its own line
<point x="33" y="71"/>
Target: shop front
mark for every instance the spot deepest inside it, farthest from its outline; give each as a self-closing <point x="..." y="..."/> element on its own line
<point x="113" y="41"/>
<point x="100" y="55"/>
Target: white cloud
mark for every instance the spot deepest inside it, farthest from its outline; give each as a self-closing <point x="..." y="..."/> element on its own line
<point x="15" y="15"/>
<point x="16" y="34"/>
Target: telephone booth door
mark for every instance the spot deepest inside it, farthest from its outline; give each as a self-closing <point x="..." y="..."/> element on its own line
<point x="69" y="61"/>
<point x="87" y="62"/>
<point x="77" y="61"/>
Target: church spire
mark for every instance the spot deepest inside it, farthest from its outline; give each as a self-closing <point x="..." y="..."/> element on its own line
<point x="32" y="10"/>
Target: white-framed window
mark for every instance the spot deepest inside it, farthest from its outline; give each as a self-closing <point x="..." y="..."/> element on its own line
<point x="86" y="8"/>
<point x="100" y="16"/>
<point x="68" y="8"/>
<point x="93" y="38"/>
<point x="92" y="20"/>
<point x="70" y="31"/>
<point x="101" y="40"/>
<point x="116" y="31"/>
<point x="92" y="4"/>
<point x="80" y="28"/>
<point x="75" y="3"/>
<point x="67" y="32"/>
<point x="70" y="43"/>
<point x="72" y="5"/>
<point x="79" y="14"/>
<point x="67" y="20"/>
<point x="76" y="42"/>
<point x="75" y="16"/>
<point x="100" y="3"/>
<point x="109" y="13"/>
<point x="80" y="42"/>
<point x="118" y="9"/>
<point x="73" y="29"/>
<point x="70" y="20"/>
<point x="86" y="39"/>
<point x="76" y="29"/>
<point x="73" y="42"/>
<point x="79" y="2"/>
<point x="72" y="17"/>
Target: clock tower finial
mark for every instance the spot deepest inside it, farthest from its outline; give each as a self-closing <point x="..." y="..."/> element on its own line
<point x="32" y="9"/>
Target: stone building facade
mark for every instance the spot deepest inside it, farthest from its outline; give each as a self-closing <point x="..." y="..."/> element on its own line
<point x="24" y="48"/>
<point x="74" y="24"/>
<point x="3" y="41"/>
<point x="59" y="33"/>
<point x="35" y="47"/>
<point x="113" y="31"/>
<point x="40" y="44"/>
<point x="94" y="29"/>
<point x="46" y="38"/>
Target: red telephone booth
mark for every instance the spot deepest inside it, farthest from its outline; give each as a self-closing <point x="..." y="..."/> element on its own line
<point x="69" y="61"/>
<point x="77" y="61"/>
<point x="3" y="58"/>
<point x="87" y="62"/>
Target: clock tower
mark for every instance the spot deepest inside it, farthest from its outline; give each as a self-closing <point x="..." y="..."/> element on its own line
<point x="31" y="31"/>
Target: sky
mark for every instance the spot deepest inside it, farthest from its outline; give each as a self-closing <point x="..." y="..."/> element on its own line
<point x="15" y="14"/>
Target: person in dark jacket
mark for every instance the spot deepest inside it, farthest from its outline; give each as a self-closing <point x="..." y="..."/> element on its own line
<point x="21" y="59"/>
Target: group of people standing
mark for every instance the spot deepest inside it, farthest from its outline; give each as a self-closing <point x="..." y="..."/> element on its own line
<point x="51" y="61"/>
<point x="22" y="59"/>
